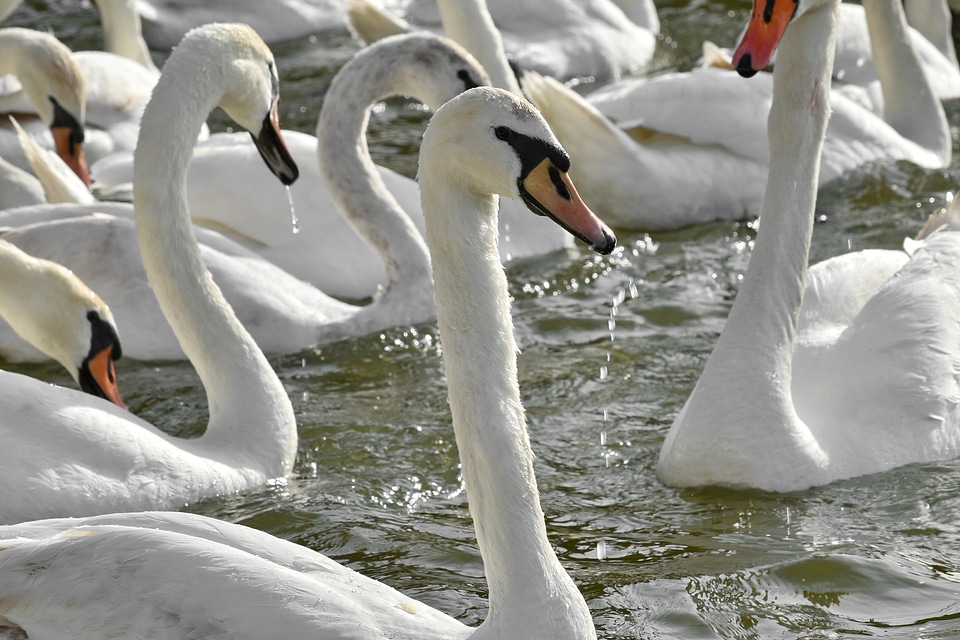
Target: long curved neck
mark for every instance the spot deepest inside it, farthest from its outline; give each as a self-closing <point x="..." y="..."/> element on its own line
<point x="354" y="182"/>
<point x="122" y="32"/>
<point x="933" y="19"/>
<point x="910" y="105"/>
<point x="250" y="413"/>
<point x="476" y="332"/>
<point x="755" y="348"/>
<point x="468" y="23"/>
<point x="29" y="292"/>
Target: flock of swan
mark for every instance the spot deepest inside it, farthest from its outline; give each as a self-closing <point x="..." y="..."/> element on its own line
<point x="849" y="367"/>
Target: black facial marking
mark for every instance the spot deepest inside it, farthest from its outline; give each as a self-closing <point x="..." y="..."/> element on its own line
<point x="532" y="151"/>
<point x="558" y="183"/>
<point x="61" y="118"/>
<point x="102" y="336"/>
<point x="768" y="11"/>
<point x="468" y="82"/>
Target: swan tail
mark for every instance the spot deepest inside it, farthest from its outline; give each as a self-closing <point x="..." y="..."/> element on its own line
<point x="370" y="22"/>
<point x="714" y="56"/>
<point x="580" y="127"/>
<point x="60" y="183"/>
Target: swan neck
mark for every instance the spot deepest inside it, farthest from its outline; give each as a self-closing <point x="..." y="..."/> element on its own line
<point x="250" y="413"/>
<point x="354" y="181"/>
<point x="468" y="23"/>
<point x="476" y="334"/>
<point x="910" y="105"/>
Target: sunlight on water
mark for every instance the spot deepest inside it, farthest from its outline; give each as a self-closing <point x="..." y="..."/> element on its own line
<point x="610" y="348"/>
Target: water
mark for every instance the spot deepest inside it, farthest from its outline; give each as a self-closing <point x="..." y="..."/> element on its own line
<point x="376" y="484"/>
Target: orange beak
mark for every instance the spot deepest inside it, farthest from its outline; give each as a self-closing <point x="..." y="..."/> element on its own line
<point x="71" y="151"/>
<point x="768" y="22"/>
<point x="548" y="191"/>
<point x="105" y="377"/>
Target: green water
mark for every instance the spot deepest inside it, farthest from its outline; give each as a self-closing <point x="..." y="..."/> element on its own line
<point x="376" y="484"/>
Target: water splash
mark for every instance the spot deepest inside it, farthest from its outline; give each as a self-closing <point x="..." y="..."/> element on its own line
<point x="294" y="220"/>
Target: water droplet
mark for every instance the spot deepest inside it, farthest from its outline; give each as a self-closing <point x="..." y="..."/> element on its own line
<point x="603" y="372"/>
<point x="294" y="220"/>
<point x="601" y="550"/>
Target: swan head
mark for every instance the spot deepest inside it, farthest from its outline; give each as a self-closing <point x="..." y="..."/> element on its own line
<point x="57" y="313"/>
<point x="252" y="86"/>
<point x="768" y="23"/>
<point x="491" y="141"/>
<point x="54" y="84"/>
<point x="428" y="67"/>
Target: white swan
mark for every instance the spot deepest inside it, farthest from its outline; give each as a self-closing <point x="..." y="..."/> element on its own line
<point x="227" y="189"/>
<point x="869" y="381"/>
<point x="198" y="576"/>
<point x="282" y="313"/>
<point x="77" y="456"/>
<point x="855" y="64"/>
<point x="691" y="147"/>
<point x="54" y="311"/>
<point x="165" y="21"/>
<point x="568" y="38"/>
<point x="54" y="85"/>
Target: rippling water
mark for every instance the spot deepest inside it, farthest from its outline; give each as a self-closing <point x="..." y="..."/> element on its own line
<point x="376" y="484"/>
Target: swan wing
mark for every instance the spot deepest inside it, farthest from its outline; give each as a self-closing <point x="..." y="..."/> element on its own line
<point x="707" y="106"/>
<point x="200" y="579"/>
<point x="892" y="378"/>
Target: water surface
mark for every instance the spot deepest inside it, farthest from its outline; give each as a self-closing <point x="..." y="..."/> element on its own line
<point x="376" y="484"/>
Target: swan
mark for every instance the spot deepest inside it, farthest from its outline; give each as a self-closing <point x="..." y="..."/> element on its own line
<point x="930" y="35"/>
<point x="697" y="141"/>
<point x="568" y="38"/>
<point x="54" y="85"/>
<point x="226" y="182"/>
<point x="118" y="83"/>
<point x="868" y="381"/>
<point x="282" y="313"/>
<point x="84" y="457"/>
<point x="194" y="575"/>
<point x="468" y="23"/>
<point x="165" y="21"/>
<point x="51" y="309"/>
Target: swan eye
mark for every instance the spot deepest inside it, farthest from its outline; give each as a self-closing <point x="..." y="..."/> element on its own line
<point x="502" y="133"/>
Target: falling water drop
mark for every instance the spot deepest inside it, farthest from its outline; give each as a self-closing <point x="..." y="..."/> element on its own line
<point x="294" y="220"/>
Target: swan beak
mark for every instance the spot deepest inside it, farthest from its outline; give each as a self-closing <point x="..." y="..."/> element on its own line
<point x="547" y="191"/>
<point x="98" y="377"/>
<point x="768" y="22"/>
<point x="70" y="149"/>
<point x="274" y="150"/>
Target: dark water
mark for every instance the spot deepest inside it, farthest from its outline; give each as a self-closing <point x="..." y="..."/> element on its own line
<point x="376" y="484"/>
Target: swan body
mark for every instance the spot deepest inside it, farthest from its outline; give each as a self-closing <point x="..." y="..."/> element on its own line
<point x="178" y="574"/>
<point x="81" y="457"/>
<point x="165" y="21"/>
<point x="99" y="244"/>
<point x="868" y="379"/>
<point x="283" y="313"/>
<point x="51" y="309"/>
<point x="54" y="86"/>
<point x="567" y="38"/>
<point x="698" y="138"/>
<point x="226" y="184"/>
